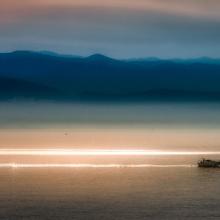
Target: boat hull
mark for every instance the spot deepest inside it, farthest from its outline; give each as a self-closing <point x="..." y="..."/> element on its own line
<point x="208" y="164"/>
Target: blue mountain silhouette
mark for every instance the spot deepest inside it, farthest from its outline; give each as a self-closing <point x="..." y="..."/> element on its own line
<point x="27" y="74"/>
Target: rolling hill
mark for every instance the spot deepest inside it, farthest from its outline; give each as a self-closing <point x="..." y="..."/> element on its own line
<point x="26" y="74"/>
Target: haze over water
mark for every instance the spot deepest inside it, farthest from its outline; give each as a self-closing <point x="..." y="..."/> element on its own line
<point x="161" y="126"/>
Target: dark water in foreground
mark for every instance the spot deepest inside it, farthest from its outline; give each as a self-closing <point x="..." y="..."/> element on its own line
<point x="110" y="193"/>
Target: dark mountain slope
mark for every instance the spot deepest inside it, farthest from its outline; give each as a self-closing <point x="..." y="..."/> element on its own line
<point x="100" y="77"/>
<point x="18" y="88"/>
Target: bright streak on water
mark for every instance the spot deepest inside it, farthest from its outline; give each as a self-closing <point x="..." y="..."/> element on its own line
<point x="21" y="165"/>
<point x="99" y="152"/>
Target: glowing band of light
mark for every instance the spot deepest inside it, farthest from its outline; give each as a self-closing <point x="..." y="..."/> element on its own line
<point x="98" y="152"/>
<point x="21" y="165"/>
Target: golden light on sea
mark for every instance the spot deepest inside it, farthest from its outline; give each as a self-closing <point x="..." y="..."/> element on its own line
<point x="99" y="152"/>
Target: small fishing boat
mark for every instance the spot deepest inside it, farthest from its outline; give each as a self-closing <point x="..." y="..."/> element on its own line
<point x="209" y="163"/>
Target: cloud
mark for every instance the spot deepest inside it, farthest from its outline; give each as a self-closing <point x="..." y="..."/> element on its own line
<point x="203" y="8"/>
<point x="121" y="28"/>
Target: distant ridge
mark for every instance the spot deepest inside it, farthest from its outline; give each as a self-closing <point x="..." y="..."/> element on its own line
<point x="47" y="75"/>
<point x="99" y="57"/>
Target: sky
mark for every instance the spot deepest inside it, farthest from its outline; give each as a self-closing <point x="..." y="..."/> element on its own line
<point x="117" y="28"/>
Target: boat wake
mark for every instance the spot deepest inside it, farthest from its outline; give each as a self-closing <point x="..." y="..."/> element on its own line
<point x="43" y="165"/>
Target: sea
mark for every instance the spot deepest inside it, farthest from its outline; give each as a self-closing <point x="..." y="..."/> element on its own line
<point x="109" y="187"/>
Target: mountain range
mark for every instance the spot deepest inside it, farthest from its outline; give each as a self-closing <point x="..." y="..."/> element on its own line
<point x="51" y="76"/>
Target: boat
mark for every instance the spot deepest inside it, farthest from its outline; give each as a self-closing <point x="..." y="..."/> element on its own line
<point x="209" y="163"/>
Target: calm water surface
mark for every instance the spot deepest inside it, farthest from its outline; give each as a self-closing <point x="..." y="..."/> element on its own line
<point x="110" y="193"/>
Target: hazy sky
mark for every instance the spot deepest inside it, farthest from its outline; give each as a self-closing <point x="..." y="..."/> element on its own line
<point x="118" y="28"/>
